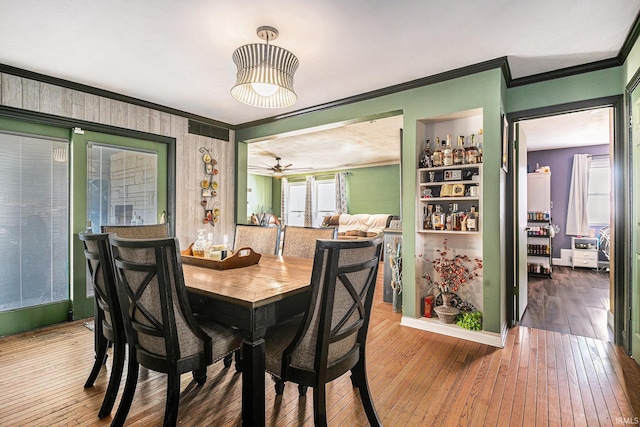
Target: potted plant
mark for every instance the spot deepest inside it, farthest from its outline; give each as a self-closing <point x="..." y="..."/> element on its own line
<point x="454" y="270"/>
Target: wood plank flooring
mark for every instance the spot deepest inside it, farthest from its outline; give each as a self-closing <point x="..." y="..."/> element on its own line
<point x="417" y="378"/>
<point x="574" y="301"/>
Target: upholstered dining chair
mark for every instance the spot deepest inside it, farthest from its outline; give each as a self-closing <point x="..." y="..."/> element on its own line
<point x="162" y="333"/>
<point x="331" y="337"/>
<point x="149" y="231"/>
<point x="301" y="241"/>
<point x="263" y="240"/>
<point x="108" y="325"/>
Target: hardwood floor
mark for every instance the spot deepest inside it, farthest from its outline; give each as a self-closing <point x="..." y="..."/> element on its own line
<point x="417" y="378"/>
<point x="574" y="301"/>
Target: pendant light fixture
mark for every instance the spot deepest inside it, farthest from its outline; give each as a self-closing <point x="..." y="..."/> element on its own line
<point x="265" y="73"/>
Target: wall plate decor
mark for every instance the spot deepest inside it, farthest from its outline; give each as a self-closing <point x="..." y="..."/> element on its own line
<point x="209" y="188"/>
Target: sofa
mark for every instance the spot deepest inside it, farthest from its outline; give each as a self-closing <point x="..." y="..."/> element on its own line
<point x="358" y="226"/>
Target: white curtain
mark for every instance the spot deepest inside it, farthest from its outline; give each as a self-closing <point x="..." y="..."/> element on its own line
<point x="284" y="200"/>
<point x="341" y="193"/>
<point x="308" y="202"/>
<point x="577" y="221"/>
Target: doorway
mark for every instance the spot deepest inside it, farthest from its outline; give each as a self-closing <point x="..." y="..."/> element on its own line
<point x="571" y="298"/>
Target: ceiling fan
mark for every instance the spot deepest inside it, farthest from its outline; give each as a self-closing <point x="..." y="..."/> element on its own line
<point x="277" y="169"/>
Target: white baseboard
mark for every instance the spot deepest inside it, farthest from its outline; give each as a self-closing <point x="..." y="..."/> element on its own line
<point x="434" y="325"/>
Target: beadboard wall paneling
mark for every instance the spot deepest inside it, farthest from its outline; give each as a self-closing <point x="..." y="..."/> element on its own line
<point x="46" y="98"/>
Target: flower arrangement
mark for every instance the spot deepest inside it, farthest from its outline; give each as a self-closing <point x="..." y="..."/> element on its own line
<point x="454" y="271"/>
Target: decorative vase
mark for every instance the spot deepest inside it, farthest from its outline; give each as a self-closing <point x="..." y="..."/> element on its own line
<point x="446" y="313"/>
<point x="396" y="302"/>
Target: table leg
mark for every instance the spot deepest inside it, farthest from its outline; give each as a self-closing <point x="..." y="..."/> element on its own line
<point x="253" y="391"/>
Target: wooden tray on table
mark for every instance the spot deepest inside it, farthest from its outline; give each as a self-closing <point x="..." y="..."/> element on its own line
<point x="243" y="257"/>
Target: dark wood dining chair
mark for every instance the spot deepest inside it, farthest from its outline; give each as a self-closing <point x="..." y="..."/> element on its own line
<point x="162" y="333"/>
<point x="108" y="325"/>
<point x="300" y="242"/>
<point x="331" y="337"/>
<point x="263" y="240"/>
<point x="149" y="231"/>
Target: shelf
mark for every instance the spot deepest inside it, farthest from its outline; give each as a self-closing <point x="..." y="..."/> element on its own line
<point x="441" y="183"/>
<point x="447" y="232"/>
<point x="442" y="168"/>
<point x="444" y="199"/>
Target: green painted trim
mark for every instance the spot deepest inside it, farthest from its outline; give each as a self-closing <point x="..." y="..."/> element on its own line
<point x="483" y="90"/>
<point x="26" y="319"/>
<point x="82" y="306"/>
<point x="241" y="182"/>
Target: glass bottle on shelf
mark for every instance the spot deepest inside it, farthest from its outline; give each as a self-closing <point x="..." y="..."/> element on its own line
<point x="456" y="224"/>
<point x="458" y="153"/>
<point x="200" y="245"/>
<point x="437" y="219"/>
<point x="471" y="152"/>
<point x="479" y="146"/>
<point x="437" y="154"/>
<point x="428" y="214"/>
<point x="425" y="160"/>
<point x="447" y="153"/>
<point x="472" y="220"/>
<point x="447" y="219"/>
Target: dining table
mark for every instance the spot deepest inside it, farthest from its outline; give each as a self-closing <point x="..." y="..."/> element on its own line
<point x="251" y="299"/>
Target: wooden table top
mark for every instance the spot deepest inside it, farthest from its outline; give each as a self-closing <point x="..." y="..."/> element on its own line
<point x="273" y="278"/>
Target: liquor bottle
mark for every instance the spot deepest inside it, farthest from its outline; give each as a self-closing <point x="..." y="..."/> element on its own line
<point x="437" y="220"/>
<point x="437" y="154"/>
<point x="428" y="217"/>
<point x="472" y="220"/>
<point x="480" y="146"/>
<point x="458" y="153"/>
<point x="456" y="218"/>
<point x="447" y="153"/>
<point x="425" y="161"/>
<point x="471" y="152"/>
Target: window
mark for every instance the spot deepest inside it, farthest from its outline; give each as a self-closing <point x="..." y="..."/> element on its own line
<point x="598" y="202"/>
<point x="295" y="215"/>
<point x="122" y="186"/>
<point x="34" y="221"/>
<point x="324" y="201"/>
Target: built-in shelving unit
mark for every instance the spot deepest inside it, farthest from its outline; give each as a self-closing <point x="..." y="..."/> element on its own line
<point x="432" y="181"/>
<point x="459" y="184"/>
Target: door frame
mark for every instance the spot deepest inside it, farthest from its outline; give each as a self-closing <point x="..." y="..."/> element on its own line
<point x="620" y="204"/>
<point x="627" y="245"/>
<point x="77" y="219"/>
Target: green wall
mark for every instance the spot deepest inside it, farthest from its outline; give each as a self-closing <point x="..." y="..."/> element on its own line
<point x="483" y="90"/>
<point x="374" y="190"/>
<point x="597" y="84"/>
<point x="260" y="198"/>
<point x="369" y="190"/>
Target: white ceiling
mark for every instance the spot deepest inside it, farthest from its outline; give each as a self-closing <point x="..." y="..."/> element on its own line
<point x="178" y="53"/>
<point x="579" y="129"/>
